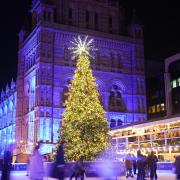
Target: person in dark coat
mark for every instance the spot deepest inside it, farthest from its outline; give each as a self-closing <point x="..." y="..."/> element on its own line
<point x="152" y="161"/>
<point x="78" y="170"/>
<point x="134" y="164"/>
<point x="59" y="169"/>
<point x="140" y="166"/>
<point x="177" y="166"/>
<point x="6" y="165"/>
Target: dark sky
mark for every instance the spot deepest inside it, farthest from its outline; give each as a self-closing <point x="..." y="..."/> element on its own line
<point x="161" y="30"/>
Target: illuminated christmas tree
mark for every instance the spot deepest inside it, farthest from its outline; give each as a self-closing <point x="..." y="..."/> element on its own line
<point x="84" y="126"/>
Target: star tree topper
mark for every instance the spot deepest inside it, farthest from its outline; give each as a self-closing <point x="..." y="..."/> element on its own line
<point x="80" y="45"/>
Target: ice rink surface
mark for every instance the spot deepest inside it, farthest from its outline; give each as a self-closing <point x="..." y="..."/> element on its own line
<point x="21" y="175"/>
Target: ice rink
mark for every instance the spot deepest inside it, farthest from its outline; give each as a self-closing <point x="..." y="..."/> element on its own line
<point x="21" y="175"/>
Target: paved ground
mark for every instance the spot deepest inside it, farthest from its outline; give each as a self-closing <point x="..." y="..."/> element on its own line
<point x="162" y="176"/>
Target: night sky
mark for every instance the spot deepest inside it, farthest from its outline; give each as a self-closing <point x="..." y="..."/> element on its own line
<point x="161" y="30"/>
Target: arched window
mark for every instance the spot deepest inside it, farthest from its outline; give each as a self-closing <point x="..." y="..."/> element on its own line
<point x="66" y="54"/>
<point x="111" y="99"/>
<point x="64" y="95"/>
<point x="119" y="122"/>
<point x="34" y="18"/>
<point x="120" y="65"/>
<point x="97" y="59"/>
<point x="116" y="103"/>
<point x="65" y="92"/>
<point x="112" y="59"/>
<point x="113" y="123"/>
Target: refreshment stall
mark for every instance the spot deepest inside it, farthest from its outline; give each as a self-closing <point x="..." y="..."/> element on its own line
<point x="161" y="136"/>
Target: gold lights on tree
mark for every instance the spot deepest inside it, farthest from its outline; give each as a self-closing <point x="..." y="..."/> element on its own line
<point x="84" y="127"/>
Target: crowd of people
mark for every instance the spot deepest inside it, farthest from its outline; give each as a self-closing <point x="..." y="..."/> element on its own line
<point x="143" y="166"/>
<point x="140" y="166"/>
<point x="36" y="169"/>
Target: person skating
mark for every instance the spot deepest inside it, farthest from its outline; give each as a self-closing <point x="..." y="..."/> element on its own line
<point x="177" y="166"/>
<point x="6" y="165"/>
<point x="78" y="170"/>
<point x="60" y="162"/>
<point x="36" y="168"/>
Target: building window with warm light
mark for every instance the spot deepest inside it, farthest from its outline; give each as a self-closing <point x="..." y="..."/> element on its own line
<point x="178" y="81"/>
<point x="174" y="85"/>
<point x="162" y="107"/>
<point x="158" y="108"/>
<point x="153" y="109"/>
<point x="149" y="110"/>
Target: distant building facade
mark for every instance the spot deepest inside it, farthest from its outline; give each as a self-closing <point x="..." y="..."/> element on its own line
<point x="155" y="89"/>
<point x="161" y="132"/>
<point x="45" y="67"/>
<point x="172" y="84"/>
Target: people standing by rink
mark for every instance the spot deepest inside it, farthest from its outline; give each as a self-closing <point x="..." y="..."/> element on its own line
<point x="36" y="168"/>
<point x="134" y="164"/>
<point x="129" y="166"/>
<point x="6" y="165"/>
<point x="78" y="170"/>
<point x="177" y="167"/>
<point x="152" y="161"/>
<point x="59" y="165"/>
<point x="140" y="166"/>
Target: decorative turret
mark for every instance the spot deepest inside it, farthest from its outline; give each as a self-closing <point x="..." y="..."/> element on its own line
<point x="25" y="29"/>
<point x="135" y="28"/>
<point x="7" y="89"/>
<point x="13" y="85"/>
<point x="2" y="95"/>
<point x="42" y="10"/>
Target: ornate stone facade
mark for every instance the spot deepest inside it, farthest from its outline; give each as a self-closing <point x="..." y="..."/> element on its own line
<point x="8" y="101"/>
<point x="45" y="67"/>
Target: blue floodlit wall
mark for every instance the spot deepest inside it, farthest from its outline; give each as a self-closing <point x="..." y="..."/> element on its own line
<point x="49" y="69"/>
<point x="45" y="68"/>
<point x="7" y="116"/>
<point x="46" y="86"/>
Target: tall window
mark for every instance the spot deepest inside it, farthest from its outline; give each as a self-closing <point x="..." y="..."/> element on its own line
<point x="44" y="15"/>
<point x="31" y="129"/>
<point x="32" y="94"/>
<point x="119" y="122"/>
<point x="87" y="19"/>
<point x="44" y="129"/>
<point x="65" y="92"/>
<point x="64" y="95"/>
<point x="49" y="16"/>
<point x="112" y="59"/>
<point x="112" y="123"/>
<point x="66" y="54"/>
<point x="70" y="16"/>
<point x="110" y="24"/>
<point x="116" y="103"/>
<point x="96" y="21"/>
<point x="34" y="19"/>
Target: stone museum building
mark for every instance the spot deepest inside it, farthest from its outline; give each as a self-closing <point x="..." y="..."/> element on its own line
<point x="31" y="108"/>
